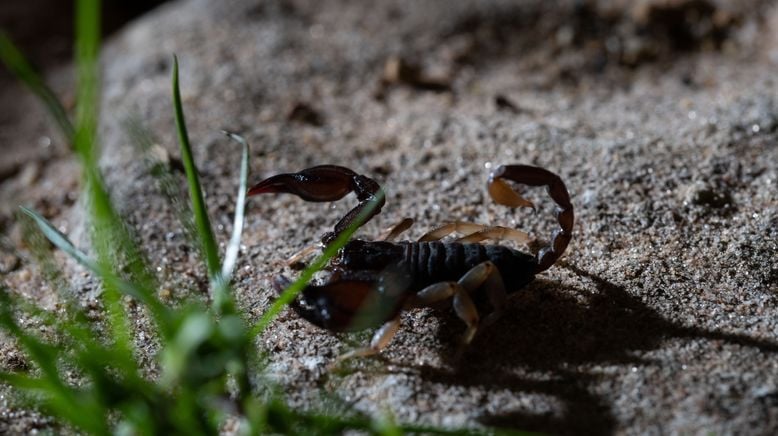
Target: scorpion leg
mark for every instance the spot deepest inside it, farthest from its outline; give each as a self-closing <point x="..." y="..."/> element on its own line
<point x="381" y="338"/>
<point x="475" y="233"/>
<point x="466" y="311"/>
<point x="497" y="233"/>
<point x="449" y="228"/>
<point x="434" y="293"/>
<point x="300" y="255"/>
<point x="328" y="183"/>
<point x="495" y="291"/>
<point x="463" y="304"/>
<point x="393" y="232"/>
<point x="502" y="193"/>
<point x="484" y="274"/>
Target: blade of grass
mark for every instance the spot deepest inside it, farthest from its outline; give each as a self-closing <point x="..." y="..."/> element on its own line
<point x="320" y="262"/>
<point x="60" y="240"/>
<point x="46" y="357"/>
<point x="83" y="413"/>
<point x="231" y="253"/>
<point x="20" y="67"/>
<point x="43" y="354"/>
<point x="158" y="310"/>
<point x="202" y="222"/>
<point x="87" y="28"/>
<point x="110" y="238"/>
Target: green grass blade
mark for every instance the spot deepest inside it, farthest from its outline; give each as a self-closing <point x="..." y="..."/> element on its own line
<point x="231" y="253"/>
<point x="44" y="355"/>
<point x="66" y="406"/>
<point x="87" y="28"/>
<point x="60" y="240"/>
<point x="159" y="311"/>
<point x="25" y="382"/>
<point x="20" y="67"/>
<point x="298" y="285"/>
<point x="86" y="350"/>
<point x="202" y="222"/>
<point x="103" y="217"/>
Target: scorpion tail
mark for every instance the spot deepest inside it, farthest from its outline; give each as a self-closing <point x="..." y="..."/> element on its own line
<point x="502" y="193"/>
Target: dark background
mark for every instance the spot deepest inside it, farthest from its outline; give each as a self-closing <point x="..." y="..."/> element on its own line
<point x="43" y="29"/>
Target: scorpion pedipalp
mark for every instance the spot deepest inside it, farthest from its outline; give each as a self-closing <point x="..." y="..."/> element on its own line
<point x="327" y="183"/>
<point x="320" y="183"/>
<point x="535" y="176"/>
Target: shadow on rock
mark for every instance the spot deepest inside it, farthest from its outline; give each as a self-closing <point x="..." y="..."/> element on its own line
<point x="551" y="333"/>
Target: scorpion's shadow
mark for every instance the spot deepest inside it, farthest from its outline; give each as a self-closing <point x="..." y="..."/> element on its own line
<point x="547" y="331"/>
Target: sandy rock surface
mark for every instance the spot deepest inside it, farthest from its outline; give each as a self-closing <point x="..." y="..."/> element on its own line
<point x="660" y="116"/>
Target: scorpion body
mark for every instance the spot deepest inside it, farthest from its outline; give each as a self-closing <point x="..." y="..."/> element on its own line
<point x="427" y="263"/>
<point x="371" y="282"/>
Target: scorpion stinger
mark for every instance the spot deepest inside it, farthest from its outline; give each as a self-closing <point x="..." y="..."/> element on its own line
<point x="328" y="183"/>
<point x="534" y="176"/>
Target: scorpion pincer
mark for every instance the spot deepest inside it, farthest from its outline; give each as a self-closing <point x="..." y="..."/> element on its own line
<point x="370" y="283"/>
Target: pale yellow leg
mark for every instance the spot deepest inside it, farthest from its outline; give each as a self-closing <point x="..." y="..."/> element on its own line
<point x="302" y="254"/>
<point x="393" y="232"/>
<point x="496" y="233"/>
<point x="381" y="338"/>
<point x="466" y="311"/>
<point x="434" y="293"/>
<point x="449" y="228"/>
<point x="486" y="276"/>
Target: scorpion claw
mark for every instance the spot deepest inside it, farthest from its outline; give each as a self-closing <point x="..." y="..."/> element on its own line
<point x="320" y="183"/>
<point x="327" y="183"/>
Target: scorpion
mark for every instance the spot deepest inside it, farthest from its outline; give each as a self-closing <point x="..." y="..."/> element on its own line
<point x="369" y="283"/>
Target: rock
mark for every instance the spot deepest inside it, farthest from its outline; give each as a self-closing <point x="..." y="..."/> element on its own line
<point x="654" y="320"/>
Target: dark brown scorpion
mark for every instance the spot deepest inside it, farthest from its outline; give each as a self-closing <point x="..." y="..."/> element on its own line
<point x="371" y="282"/>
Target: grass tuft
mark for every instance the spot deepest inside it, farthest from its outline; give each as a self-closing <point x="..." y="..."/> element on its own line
<point x="202" y="222"/>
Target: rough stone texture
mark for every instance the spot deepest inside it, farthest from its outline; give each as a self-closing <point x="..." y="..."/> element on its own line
<point x="661" y="117"/>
